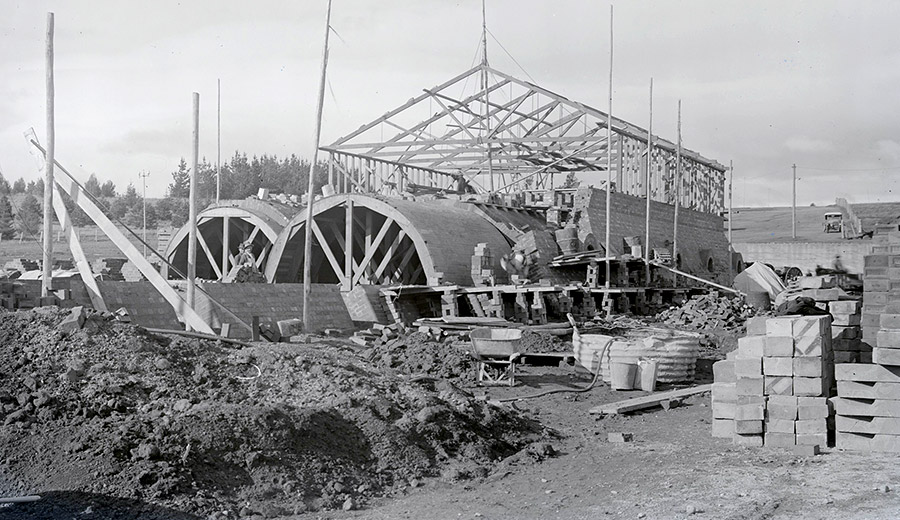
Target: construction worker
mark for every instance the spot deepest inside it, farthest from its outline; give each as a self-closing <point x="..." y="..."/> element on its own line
<point x="838" y="265"/>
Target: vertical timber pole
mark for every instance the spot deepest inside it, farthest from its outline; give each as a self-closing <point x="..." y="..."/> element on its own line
<point x="218" y="139"/>
<point x="307" y="250"/>
<point x="609" y="148"/>
<point x="677" y="194"/>
<point x="47" y="278"/>
<point x="487" y="105"/>
<point x="192" y="201"/>
<point x="794" y="204"/>
<point x="647" y="184"/>
<point x="730" y="243"/>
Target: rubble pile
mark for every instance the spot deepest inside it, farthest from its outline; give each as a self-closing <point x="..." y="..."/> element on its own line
<point x="104" y="407"/>
<point x="709" y="311"/>
<point x="437" y="355"/>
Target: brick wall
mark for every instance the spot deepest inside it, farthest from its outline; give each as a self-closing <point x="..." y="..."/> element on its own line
<point x="806" y="255"/>
<point x="272" y="302"/>
<point x="700" y="235"/>
<point x="364" y="303"/>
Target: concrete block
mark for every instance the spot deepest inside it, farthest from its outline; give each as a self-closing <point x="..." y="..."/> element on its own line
<point x="748" y="427"/>
<point x="865" y="357"/>
<point x="845" y="344"/>
<point x="756" y="326"/>
<point x="808" y="346"/>
<point x="812" y="439"/>
<point x="752" y="440"/>
<point x="870" y="320"/>
<point x="886" y="356"/>
<point x="889" y="321"/>
<point x="780" y="327"/>
<point x="807" y="366"/>
<point x="811" y="326"/>
<point x="811" y="426"/>
<point x="780" y="440"/>
<point x="812" y="408"/>
<point x="866" y="407"/>
<point x="723" y="371"/>
<point x="778" y="385"/>
<point x="842" y="332"/>
<point x="724" y="392"/>
<point x="750" y="386"/>
<point x="846" y="319"/>
<point x="809" y="386"/>
<point x="751" y="347"/>
<point x="870" y="425"/>
<point x="748" y="367"/>
<point x="722" y="428"/>
<point x="876" y="261"/>
<point x="887" y="338"/>
<point x="866" y="373"/>
<point x="619" y="437"/>
<point x="844" y="307"/>
<point x="782" y="407"/>
<point x="779" y="346"/>
<point x="750" y="412"/>
<point x="867" y="442"/>
<point x="846" y="356"/>
<point x="806" y="451"/>
<point x="776" y="425"/>
<point x="861" y="390"/>
<point x="723" y="410"/>
<point x="876" y="285"/>
<point x="875" y="272"/>
<point x="778" y="366"/>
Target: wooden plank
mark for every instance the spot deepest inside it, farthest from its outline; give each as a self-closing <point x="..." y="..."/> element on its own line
<point x="209" y="255"/>
<point x="348" y="247"/>
<point x="649" y="401"/>
<point x="181" y="308"/>
<point x="84" y="269"/>
<point x="388" y="255"/>
<point x="226" y="243"/>
<point x="364" y="265"/>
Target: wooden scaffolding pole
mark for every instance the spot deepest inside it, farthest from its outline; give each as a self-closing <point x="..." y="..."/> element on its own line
<point x="647" y="187"/>
<point x="47" y="278"/>
<point x="218" y="139"/>
<point x="609" y="155"/>
<point x="192" y="201"/>
<point x="677" y="193"/>
<point x="307" y="250"/>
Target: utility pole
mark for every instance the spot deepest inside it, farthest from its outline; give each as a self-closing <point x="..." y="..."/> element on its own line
<point x="484" y="85"/>
<point x="730" y="216"/>
<point x="218" y="139"/>
<point x="47" y="278"/>
<point x="609" y="155"/>
<point x="794" y="206"/>
<point x="647" y="187"/>
<point x="307" y="247"/>
<point x="192" y="201"/>
<point x="143" y="175"/>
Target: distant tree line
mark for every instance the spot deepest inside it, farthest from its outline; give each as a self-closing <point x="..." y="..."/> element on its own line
<point x="20" y="206"/>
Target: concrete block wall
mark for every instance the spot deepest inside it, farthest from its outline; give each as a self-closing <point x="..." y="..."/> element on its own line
<point x="144" y="304"/>
<point x="365" y="304"/>
<point x="806" y="255"/>
<point x="272" y="302"/>
<point x="700" y="235"/>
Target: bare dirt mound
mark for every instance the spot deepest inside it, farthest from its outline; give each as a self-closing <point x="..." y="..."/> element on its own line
<point x="203" y="428"/>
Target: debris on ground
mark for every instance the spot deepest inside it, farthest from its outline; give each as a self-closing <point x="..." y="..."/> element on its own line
<point x="709" y="311"/>
<point x="201" y="427"/>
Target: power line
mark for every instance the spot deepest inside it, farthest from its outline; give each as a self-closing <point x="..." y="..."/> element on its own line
<point x="511" y="56"/>
<point x="848" y="169"/>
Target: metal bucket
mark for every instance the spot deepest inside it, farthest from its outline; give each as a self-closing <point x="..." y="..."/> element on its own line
<point x="567" y="239"/>
<point x="622" y="375"/>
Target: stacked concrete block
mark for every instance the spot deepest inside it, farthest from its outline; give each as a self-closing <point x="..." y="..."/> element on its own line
<point x="867" y="407"/>
<point x="482" y="265"/>
<point x="783" y="374"/>
<point x="449" y="304"/>
<point x="881" y="278"/>
<point x="846" y="332"/>
<point x="724" y="398"/>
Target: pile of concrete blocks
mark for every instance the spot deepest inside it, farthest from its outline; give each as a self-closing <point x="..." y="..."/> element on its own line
<point x="868" y="395"/>
<point x="881" y="280"/>
<point x="773" y="389"/>
<point x="846" y="332"/>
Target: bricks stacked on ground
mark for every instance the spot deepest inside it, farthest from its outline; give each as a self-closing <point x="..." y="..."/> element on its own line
<point x="750" y="400"/>
<point x="868" y="402"/>
<point x="846" y="333"/>
<point x="881" y="279"/>
<point x="782" y="374"/>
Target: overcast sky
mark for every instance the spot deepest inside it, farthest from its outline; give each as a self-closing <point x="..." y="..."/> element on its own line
<point x="765" y="84"/>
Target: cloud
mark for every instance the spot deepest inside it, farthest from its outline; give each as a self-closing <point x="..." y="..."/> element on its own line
<point x="806" y="144"/>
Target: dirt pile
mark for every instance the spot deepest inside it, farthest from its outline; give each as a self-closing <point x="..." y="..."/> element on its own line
<point x="418" y="353"/>
<point x="709" y="311"/>
<point x="207" y="429"/>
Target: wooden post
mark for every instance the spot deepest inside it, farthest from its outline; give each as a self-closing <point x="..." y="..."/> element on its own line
<point x="794" y="204"/>
<point x="254" y="328"/>
<point x="647" y="187"/>
<point x="677" y="194"/>
<point x="730" y="243"/>
<point x="47" y="278"/>
<point x="307" y="250"/>
<point x="219" y="140"/>
<point x="192" y="201"/>
<point x="226" y="245"/>
<point x="348" y="246"/>
<point x="609" y="155"/>
<point x="81" y="263"/>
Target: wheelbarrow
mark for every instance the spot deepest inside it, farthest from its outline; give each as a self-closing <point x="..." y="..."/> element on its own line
<point x="497" y="352"/>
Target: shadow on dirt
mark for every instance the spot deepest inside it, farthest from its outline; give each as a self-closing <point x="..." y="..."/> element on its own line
<point x="74" y="504"/>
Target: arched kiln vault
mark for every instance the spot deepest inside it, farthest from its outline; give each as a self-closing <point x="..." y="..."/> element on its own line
<point x="224" y="226"/>
<point x="363" y="239"/>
